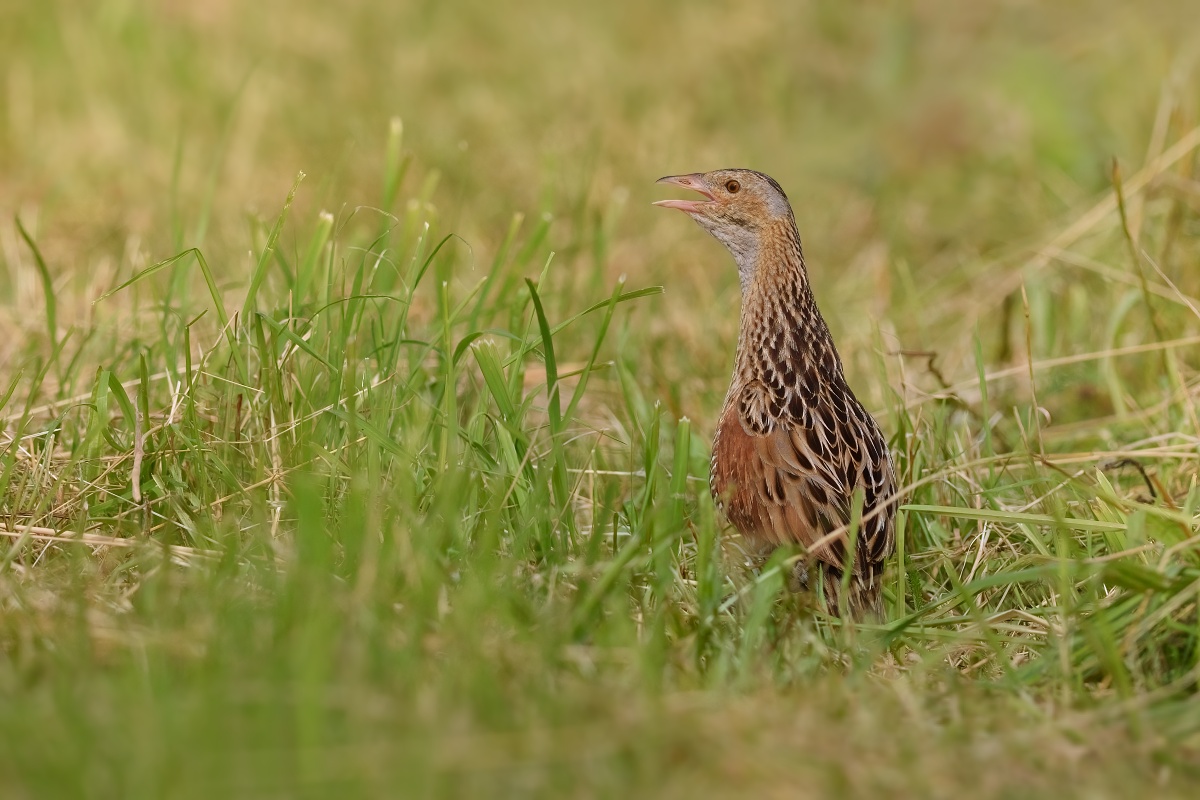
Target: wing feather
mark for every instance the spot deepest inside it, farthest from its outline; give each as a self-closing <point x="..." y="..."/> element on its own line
<point x="795" y="483"/>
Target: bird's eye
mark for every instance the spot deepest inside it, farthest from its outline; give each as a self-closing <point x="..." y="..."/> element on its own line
<point x="732" y="186"/>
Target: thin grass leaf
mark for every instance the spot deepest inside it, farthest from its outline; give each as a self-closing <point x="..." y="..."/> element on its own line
<point x="264" y="258"/>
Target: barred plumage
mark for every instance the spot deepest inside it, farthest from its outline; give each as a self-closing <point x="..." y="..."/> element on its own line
<point x="792" y="444"/>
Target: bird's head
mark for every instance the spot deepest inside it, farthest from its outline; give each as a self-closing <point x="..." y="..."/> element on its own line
<point x="741" y="208"/>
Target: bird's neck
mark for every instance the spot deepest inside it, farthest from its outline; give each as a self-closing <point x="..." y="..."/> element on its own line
<point x="782" y="329"/>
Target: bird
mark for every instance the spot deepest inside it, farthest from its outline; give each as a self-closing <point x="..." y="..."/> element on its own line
<point x="794" y="449"/>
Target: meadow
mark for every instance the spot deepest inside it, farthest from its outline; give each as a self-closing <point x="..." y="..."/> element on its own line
<point x="357" y="403"/>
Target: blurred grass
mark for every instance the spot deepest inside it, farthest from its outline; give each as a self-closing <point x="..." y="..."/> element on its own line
<point x="391" y="479"/>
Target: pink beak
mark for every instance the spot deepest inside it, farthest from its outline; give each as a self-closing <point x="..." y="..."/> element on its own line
<point x="693" y="182"/>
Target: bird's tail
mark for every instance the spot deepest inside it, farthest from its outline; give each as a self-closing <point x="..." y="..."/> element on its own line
<point x="861" y="598"/>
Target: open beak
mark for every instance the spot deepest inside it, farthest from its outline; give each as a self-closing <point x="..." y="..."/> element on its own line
<point x="693" y="182"/>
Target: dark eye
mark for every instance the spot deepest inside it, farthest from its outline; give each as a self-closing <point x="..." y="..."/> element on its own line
<point x="732" y="187"/>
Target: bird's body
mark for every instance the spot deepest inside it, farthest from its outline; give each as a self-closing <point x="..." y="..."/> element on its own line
<point x="793" y="446"/>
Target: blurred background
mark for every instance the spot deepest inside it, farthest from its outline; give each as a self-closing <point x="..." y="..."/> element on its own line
<point x="926" y="146"/>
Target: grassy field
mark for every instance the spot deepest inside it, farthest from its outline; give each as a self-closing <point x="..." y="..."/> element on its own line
<point x="356" y="402"/>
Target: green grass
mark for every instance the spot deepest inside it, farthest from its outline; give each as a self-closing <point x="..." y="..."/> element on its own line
<point x="390" y="479"/>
